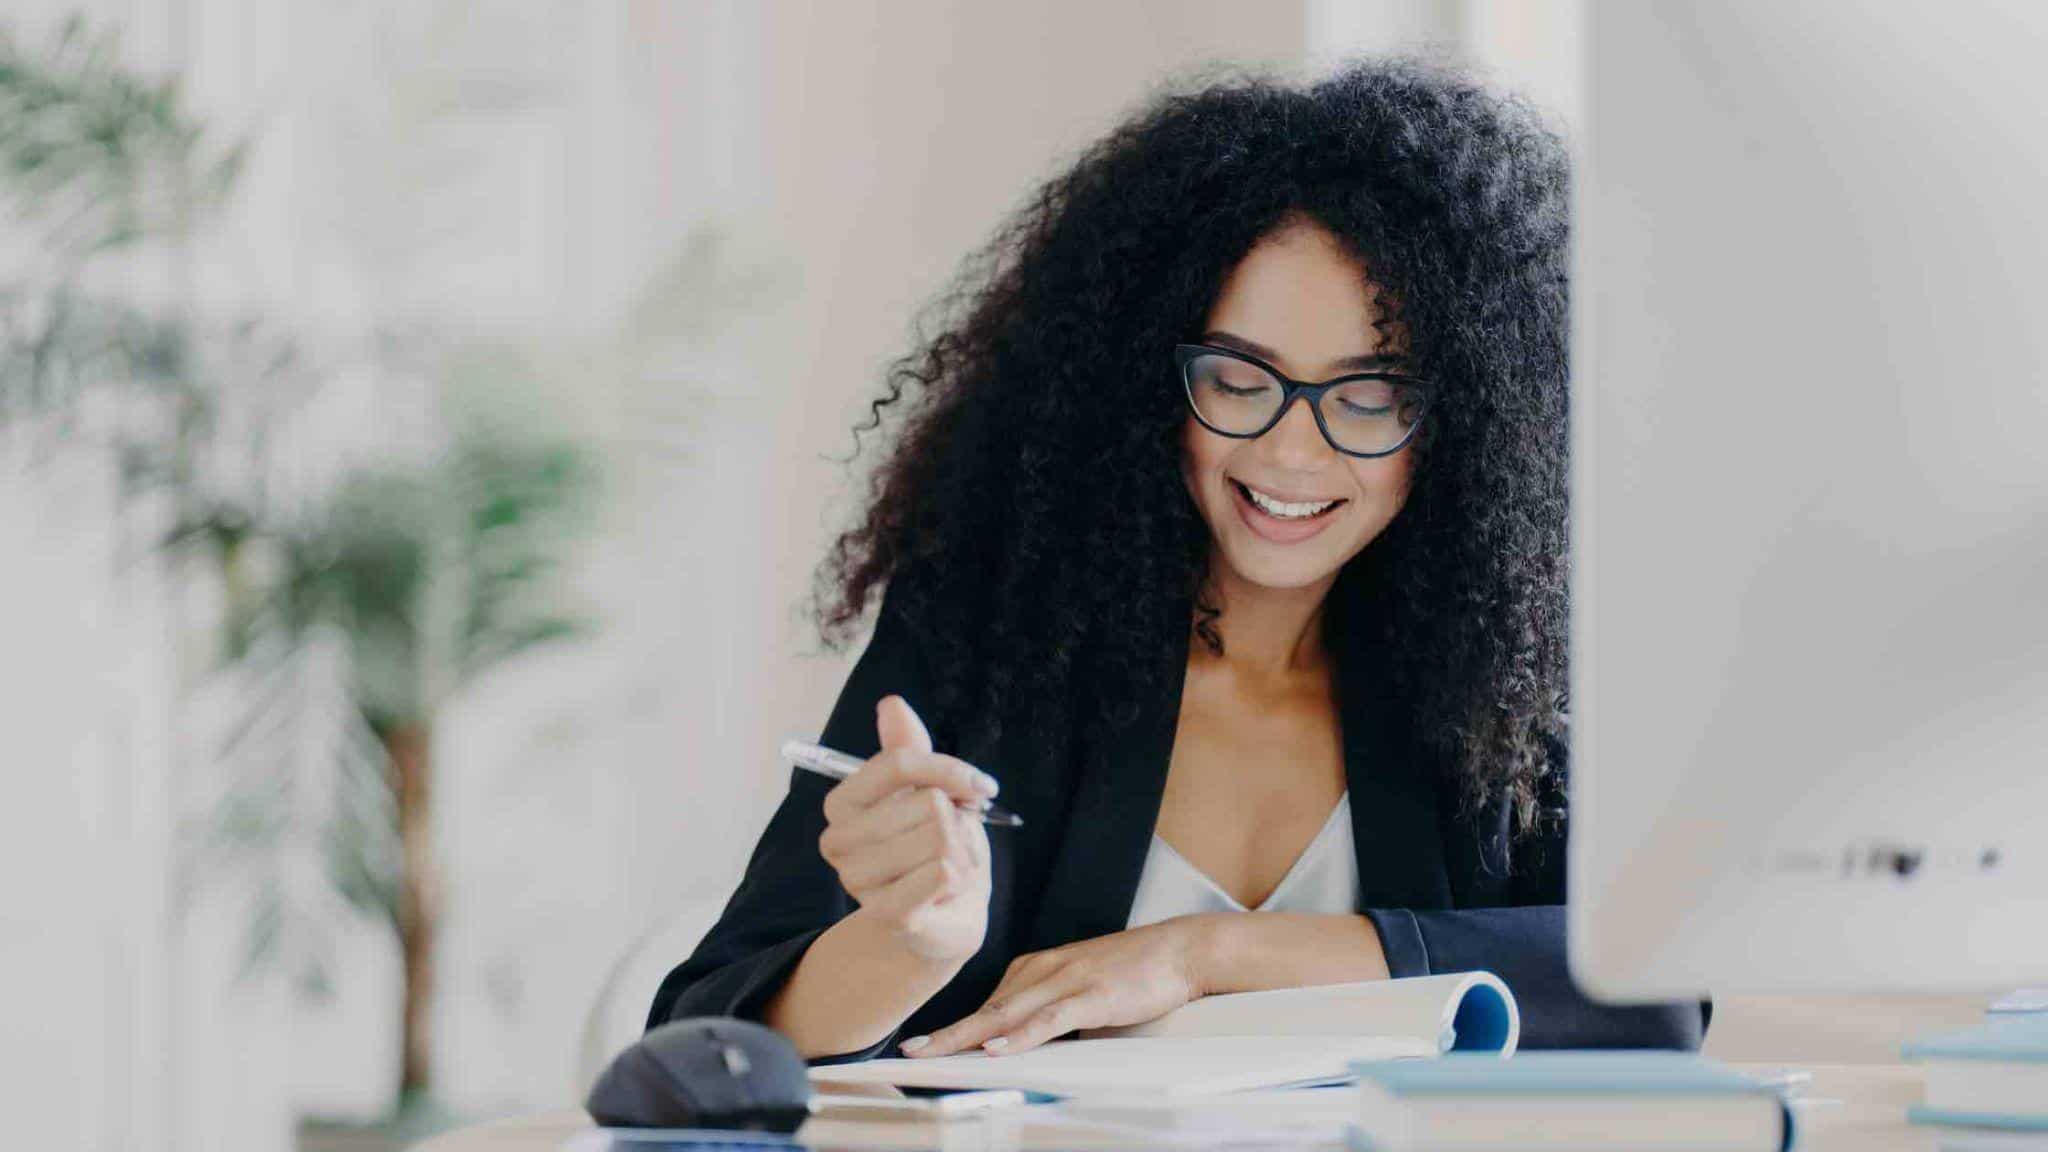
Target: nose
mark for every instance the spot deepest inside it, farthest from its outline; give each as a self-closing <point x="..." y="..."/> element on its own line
<point x="1296" y="443"/>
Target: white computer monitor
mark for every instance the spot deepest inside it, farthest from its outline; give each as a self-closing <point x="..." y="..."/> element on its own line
<point x="1810" y="498"/>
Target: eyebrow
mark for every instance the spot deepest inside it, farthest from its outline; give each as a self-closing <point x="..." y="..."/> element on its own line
<point x="1369" y="362"/>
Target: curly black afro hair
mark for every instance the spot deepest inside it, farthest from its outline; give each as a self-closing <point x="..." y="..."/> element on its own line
<point x="1031" y="520"/>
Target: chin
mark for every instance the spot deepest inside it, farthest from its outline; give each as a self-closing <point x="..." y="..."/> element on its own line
<point x="1268" y="571"/>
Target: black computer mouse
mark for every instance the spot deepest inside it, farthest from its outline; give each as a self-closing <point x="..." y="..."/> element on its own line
<point x="709" y="1072"/>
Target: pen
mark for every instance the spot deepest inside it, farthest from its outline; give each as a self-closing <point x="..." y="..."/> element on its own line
<point x="838" y="766"/>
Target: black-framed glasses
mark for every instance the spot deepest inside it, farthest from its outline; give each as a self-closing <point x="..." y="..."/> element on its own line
<point x="1361" y="414"/>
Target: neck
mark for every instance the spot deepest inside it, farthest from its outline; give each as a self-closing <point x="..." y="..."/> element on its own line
<point x="1268" y="633"/>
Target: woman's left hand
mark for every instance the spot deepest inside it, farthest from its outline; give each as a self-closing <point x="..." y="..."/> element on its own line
<point x="1127" y="977"/>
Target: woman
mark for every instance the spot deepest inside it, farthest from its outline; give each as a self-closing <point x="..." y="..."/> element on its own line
<point x="1222" y="641"/>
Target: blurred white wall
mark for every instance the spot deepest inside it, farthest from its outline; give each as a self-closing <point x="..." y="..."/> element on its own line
<point x="542" y="164"/>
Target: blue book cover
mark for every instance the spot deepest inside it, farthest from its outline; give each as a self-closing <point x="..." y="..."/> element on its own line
<point x="1927" y="1117"/>
<point x="1647" y="1073"/>
<point x="1578" y="1075"/>
<point x="2019" y="1038"/>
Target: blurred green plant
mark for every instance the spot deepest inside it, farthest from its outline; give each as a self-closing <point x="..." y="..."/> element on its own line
<point x="96" y="157"/>
<point x="94" y="163"/>
<point x="353" y="609"/>
<point x="421" y="579"/>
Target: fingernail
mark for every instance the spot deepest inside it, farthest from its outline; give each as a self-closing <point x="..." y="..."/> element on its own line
<point x="996" y="1043"/>
<point x="915" y="1042"/>
<point x="986" y="782"/>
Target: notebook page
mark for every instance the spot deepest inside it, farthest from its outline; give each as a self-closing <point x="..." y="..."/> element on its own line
<point x="1419" y="1008"/>
<point x="1194" y="1066"/>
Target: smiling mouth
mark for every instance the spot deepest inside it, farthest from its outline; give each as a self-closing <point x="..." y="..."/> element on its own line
<point x="1282" y="510"/>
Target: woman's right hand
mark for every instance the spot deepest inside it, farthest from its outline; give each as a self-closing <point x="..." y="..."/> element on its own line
<point x="902" y="846"/>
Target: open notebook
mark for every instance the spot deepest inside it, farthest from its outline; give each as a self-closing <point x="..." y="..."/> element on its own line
<point x="1245" y="1040"/>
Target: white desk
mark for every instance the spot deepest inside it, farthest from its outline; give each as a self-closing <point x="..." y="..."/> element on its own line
<point x="1848" y="1108"/>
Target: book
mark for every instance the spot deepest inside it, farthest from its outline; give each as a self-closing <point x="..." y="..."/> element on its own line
<point x="1278" y="1117"/>
<point x="845" y="1118"/>
<point x="1235" y="1042"/>
<point x="1577" y="1101"/>
<point x="1989" y="1140"/>
<point x="883" y="1102"/>
<point x="1992" y="1076"/>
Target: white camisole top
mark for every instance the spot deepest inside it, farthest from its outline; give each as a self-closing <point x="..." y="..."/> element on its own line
<point x="1324" y="879"/>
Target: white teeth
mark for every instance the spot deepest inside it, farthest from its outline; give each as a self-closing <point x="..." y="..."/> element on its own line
<point x="1281" y="509"/>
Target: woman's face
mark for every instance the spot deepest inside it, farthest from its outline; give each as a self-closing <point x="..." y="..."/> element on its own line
<point x="1301" y="303"/>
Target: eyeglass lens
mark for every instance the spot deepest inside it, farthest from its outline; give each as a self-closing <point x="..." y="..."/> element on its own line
<point x="1238" y="397"/>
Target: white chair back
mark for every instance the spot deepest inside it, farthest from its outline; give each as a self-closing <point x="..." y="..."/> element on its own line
<point x="618" y="1012"/>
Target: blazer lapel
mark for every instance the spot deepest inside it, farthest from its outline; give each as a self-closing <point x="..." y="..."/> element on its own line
<point x="1109" y="825"/>
<point x="1394" y="810"/>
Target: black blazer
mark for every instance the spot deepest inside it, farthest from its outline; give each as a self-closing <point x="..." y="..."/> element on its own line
<point x="1438" y="879"/>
